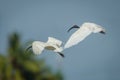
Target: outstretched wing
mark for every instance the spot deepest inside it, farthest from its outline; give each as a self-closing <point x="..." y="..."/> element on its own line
<point x="38" y="47"/>
<point x="55" y="41"/>
<point x="78" y="36"/>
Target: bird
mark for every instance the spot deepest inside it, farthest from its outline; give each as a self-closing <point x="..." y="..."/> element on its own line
<point x="83" y="31"/>
<point x="52" y="44"/>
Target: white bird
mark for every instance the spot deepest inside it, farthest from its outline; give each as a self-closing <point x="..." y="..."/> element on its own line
<point x="85" y="30"/>
<point x="52" y="44"/>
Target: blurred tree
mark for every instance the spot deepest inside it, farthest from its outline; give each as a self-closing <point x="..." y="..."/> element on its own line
<point x="18" y="65"/>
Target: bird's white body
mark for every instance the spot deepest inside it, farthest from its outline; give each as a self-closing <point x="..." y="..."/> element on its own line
<point x="85" y="30"/>
<point x="52" y="44"/>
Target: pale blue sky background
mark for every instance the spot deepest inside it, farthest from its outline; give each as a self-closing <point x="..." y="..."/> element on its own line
<point x="96" y="58"/>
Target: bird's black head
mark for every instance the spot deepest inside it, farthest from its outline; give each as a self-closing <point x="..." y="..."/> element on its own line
<point x="28" y="48"/>
<point x="75" y="26"/>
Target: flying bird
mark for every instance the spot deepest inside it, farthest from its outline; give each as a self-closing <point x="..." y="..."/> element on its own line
<point x="85" y="30"/>
<point x="52" y="44"/>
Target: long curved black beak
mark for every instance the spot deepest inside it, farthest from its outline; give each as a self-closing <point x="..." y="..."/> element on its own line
<point x="102" y="32"/>
<point x="28" y="48"/>
<point x="75" y="26"/>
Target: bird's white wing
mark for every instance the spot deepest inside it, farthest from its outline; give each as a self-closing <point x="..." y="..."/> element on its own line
<point x="78" y="36"/>
<point x="38" y="47"/>
<point x="55" y="41"/>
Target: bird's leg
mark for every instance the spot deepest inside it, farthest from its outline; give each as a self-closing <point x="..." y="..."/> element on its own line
<point x="61" y="54"/>
<point x="102" y="32"/>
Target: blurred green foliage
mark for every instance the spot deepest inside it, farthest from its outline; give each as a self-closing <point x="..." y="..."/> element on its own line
<point x="18" y="65"/>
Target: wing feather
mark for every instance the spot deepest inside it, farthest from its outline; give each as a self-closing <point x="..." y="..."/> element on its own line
<point x="55" y="41"/>
<point x="78" y="36"/>
<point x="38" y="47"/>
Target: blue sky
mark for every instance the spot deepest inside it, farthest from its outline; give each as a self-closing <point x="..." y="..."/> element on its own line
<point x="96" y="58"/>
